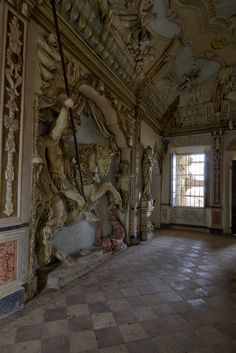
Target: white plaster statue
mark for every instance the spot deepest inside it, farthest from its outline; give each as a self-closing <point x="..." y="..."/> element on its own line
<point x="123" y="184"/>
<point x="55" y="152"/>
<point x="95" y="163"/>
<point x="149" y="158"/>
<point x="57" y="185"/>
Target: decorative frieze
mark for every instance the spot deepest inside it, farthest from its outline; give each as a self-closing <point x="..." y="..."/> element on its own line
<point x="12" y="114"/>
<point x="195" y="115"/>
<point x="217" y="143"/>
<point x="85" y="18"/>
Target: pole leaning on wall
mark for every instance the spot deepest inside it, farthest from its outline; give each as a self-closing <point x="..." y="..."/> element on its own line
<point x="67" y="92"/>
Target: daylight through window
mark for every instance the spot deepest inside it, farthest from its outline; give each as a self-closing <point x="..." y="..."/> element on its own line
<point x="188" y="180"/>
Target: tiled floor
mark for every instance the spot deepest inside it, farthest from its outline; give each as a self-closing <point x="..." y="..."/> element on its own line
<point x="173" y="294"/>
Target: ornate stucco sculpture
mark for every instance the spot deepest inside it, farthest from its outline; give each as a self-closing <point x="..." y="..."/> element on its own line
<point x="131" y="19"/>
<point x="116" y="240"/>
<point x="95" y="162"/>
<point x="123" y="184"/>
<point x="149" y="158"/>
<point x="57" y="186"/>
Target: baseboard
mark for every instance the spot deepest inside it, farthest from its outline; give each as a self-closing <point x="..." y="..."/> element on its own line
<point x="12" y="302"/>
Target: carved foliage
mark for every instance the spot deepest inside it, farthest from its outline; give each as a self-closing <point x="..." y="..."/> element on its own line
<point x="217" y="167"/>
<point x="12" y="113"/>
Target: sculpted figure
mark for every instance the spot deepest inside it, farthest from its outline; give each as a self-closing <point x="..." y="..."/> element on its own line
<point x="123" y="184"/>
<point x="57" y="185"/>
<point x="149" y="159"/>
<point x="95" y="163"/>
<point x="116" y="240"/>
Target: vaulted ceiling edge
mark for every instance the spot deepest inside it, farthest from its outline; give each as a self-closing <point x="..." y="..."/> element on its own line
<point x="175" y="56"/>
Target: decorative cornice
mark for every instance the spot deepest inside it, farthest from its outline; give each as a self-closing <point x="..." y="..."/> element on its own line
<point x="80" y="50"/>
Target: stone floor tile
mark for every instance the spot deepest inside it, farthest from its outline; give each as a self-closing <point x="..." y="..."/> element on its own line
<point x="95" y="297"/>
<point x="77" y="310"/>
<point x="203" y="350"/>
<point x="147" y="289"/>
<point x="112" y="293"/>
<point x="168" y="344"/>
<point x="145" y="346"/>
<point x="118" y="304"/>
<point x="145" y="313"/>
<point x="227" y="328"/>
<point x="124" y="317"/>
<point x="60" y="302"/>
<point x="212" y="316"/>
<point x="55" y="329"/>
<point x="6" y="349"/>
<point x="227" y="347"/>
<point x="100" y="307"/>
<point x="82" y="341"/>
<point x="163" y="310"/>
<point x="59" y="344"/>
<point x="28" y="347"/>
<point x="109" y="336"/>
<point x="198" y="304"/>
<point x="137" y="282"/>
<point x="101" y="320"/>
<point x="81" y="323"/>
<point x="155" y="327"/>
<point x="210" y="335"/>
<point x="28" y="333"/>
<point x="189" y="340"/>
<point x="132" y="332"/>
<point x="92" y="288"/>
<point x="55" y="314"/>
<point x="170" y="296"/>
<point x="129" y="292"/>
<point x="115" y="349"/>
<point x="176" y="323"/>
<point x="152" y="299"/>
<point x="136" y="302"/>
<point x="7" y="337"/>
<point x="75" y="299"/>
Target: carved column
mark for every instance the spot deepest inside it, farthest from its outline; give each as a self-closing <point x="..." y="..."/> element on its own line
<point x="136" y="184"/>
<point x="217" y="177"/>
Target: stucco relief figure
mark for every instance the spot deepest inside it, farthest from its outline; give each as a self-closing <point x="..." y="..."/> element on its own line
<point x="124" y="183"/>
<point x="57" y="184"/>
<point x="95" y="163"/>
<point x="149" y="158"/>
<point x="131" y="20"/>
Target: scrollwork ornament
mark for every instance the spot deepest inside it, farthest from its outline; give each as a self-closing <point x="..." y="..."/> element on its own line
<point x="11" y="119"/>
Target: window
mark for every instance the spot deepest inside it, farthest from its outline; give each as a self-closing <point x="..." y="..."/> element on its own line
<point x="188" y="180"/>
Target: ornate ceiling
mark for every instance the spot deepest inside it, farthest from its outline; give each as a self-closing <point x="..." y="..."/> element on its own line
<point x="177" y="56"/>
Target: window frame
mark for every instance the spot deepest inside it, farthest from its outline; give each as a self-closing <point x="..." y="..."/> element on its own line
<point x="205" y="179"/>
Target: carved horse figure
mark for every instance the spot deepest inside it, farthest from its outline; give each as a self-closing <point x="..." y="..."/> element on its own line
<point x="95" y="163"/>
<point x="58" y="209"/>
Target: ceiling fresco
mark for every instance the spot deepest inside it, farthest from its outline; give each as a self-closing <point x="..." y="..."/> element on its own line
<point x="178" y="56"/>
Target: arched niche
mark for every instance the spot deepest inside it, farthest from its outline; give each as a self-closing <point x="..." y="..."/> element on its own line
<point x="110" y="118"/>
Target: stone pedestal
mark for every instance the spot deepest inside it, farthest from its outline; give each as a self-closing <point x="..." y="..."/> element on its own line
<point x="146" y="224"/>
